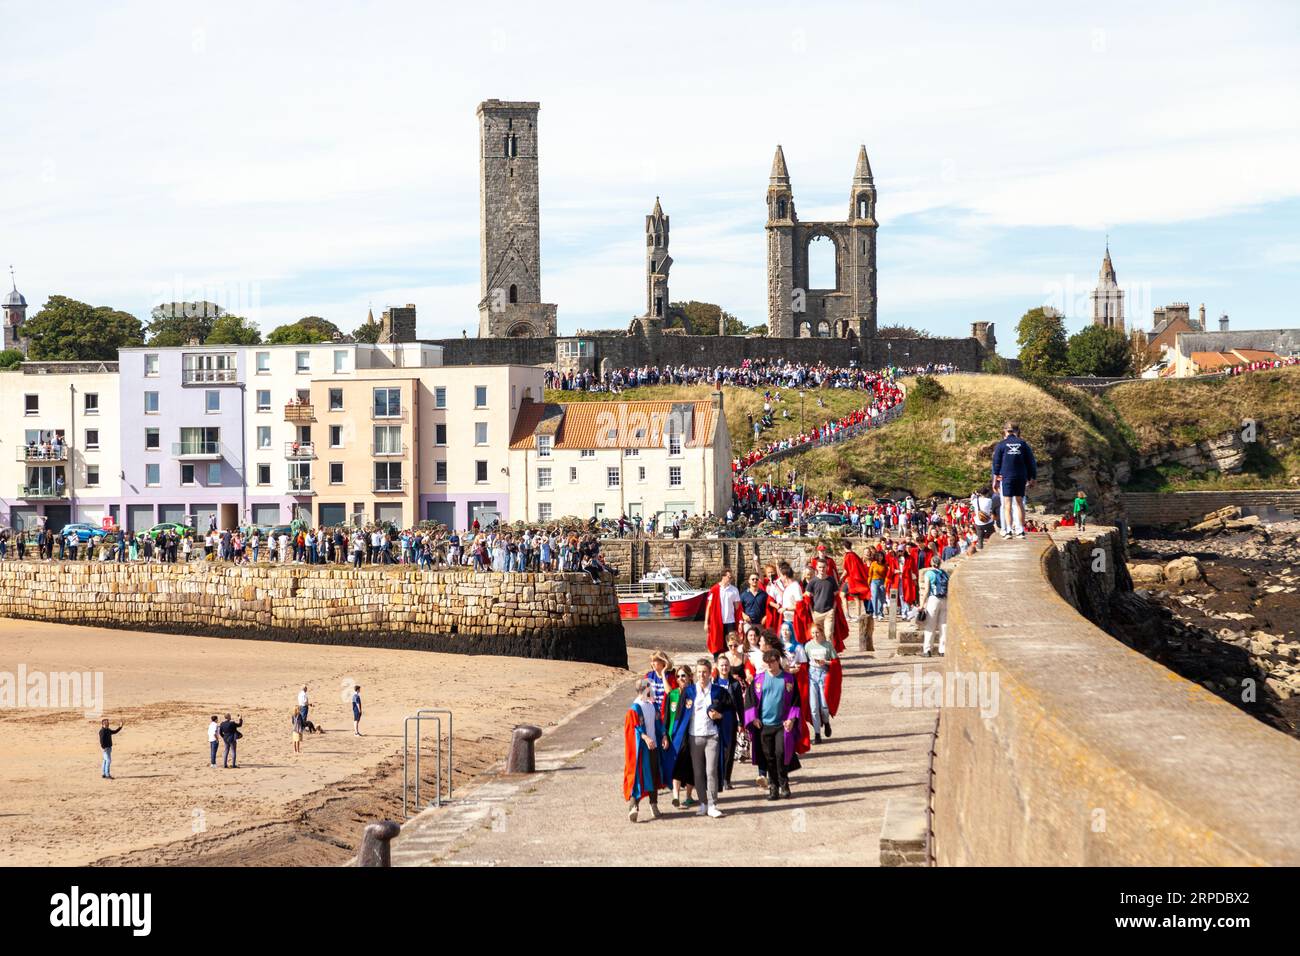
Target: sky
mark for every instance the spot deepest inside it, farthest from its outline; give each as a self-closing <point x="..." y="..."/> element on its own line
<point x="294" y="159"/>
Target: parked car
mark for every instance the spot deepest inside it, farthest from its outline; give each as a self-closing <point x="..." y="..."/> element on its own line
<point x="165" y="526"/>
<point x="84" y="531"/>
<point x="828" y="518"/>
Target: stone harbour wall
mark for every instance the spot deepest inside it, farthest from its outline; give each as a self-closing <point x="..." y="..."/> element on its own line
<point x="555" y="616"/>
<point x="1157" y="509"/>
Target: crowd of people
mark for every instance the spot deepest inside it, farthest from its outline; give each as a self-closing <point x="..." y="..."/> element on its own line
<point x="1263" y="365"/>
<point x="748" y="374"/>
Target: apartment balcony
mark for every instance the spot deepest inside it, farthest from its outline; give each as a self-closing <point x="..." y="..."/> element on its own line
<point x="387" y="451"/>
<point x="392" y="418"/>
<point x="299" y="413"/>
<point x="299" y="450"/>
<point x="197" y="450"/>
<point x="40" y="491"/>
<point x="41" y="453"/>
<point x="301" y="486"/>
<point x="208" y="376"/>
<point x="389" y="486"/>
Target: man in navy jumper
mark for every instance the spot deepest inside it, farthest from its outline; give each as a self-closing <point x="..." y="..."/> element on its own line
<point x="1014" y="470"/>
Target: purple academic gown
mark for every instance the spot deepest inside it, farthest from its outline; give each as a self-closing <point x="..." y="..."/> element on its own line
<point x="789" y="711"/>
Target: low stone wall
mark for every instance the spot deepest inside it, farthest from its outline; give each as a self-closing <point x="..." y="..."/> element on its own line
<point x="555" y="616"/>
<point x="701" y="560"/>
<point x="1157" y="509"/>
<point x="1092" y="755"/>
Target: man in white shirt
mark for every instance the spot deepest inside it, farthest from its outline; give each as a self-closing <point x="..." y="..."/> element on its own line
<point x="213" y="725"/>
<point x="302" y="704"/>
<point x="981" y="505"/>
<point x="791" y="596"/>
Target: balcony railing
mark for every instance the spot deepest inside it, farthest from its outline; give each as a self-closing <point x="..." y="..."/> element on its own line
<point x="301" y="485"/>
<point x="387" y="451"/>
<point x="208" y="376"/>
<point x="41" y="453"/>
<point x="299" y="413"/>
<point x="384" y="486"/>
<point x="196" y="449"/>
<point x="299" y="449"/>
<point x="383" y="415"/>
<point x="43" y="491"/>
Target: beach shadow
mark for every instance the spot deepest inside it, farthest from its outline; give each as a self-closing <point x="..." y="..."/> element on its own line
<point x="881" y="750"/>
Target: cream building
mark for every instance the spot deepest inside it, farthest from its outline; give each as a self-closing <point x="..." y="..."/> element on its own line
<point x="607" y="459"/>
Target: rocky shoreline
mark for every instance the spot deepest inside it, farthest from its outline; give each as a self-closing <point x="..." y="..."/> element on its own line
<point x="1219" y="603"/>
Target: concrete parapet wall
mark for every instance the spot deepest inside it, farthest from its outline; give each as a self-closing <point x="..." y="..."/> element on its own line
<point x="1154" y="509"/>
<point x="555" y="616"/>
<point x="1094" y="754"/>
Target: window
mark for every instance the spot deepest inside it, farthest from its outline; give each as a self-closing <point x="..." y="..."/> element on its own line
<point x="214" y="473"/>
<point x="613" y="477"/>
<point x="92" y="403"/>
<point x="302" y="362"/>
<point x="480" y="396"/>
<point x="543" y="477"/>
<point x="336" y="473"/>
<point x="92" y="476"/>
<point x="440" y="434"/>
<point x="151" y="403"/>
<point x="263" y="399"/>
<point x="151" y="439"/>
<point x="92" y="439"/>
<point x="388" y="402"/>
<point x="340" y="361"/>
<point x="263" y="473"/>
<point x="631" y="452"/>
<point x="640" y="473"/>
<point x="440" y="397"/>
<point x="212" y="400"/>
<point x="263" y="436"/>
<point x="336" y="436"/>
<point x="674" y="444"/>
<point x="187" y="474"/>
<point x="388" y="476"/>
<point x="544" y="511"/>
<point x="480" y="471"/>
<point x="388" y="440"/>
<point x="151" y="365"/>
<point x="480" y="433"/>
<point x="674" y="476"/>
<point x="573" y="473"/>
<point x="587" y="453"/>
<point x="336" y="399"/>
<point x="31" y="404"/>
<point x="544" y="446"/>
<point x="264" y="368"/>
<point x="440" y="472"/>
<point x="153" y="475"/>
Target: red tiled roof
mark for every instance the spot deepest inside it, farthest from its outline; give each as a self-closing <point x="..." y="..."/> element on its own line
<point x="614" y="424"/>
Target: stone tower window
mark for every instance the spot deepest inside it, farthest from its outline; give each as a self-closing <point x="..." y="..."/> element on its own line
<point x="512" y="146"/>
<point x="862" y="207"/>
<point x="514" y="293"/>
<point x="780" y="209"/>
<point x="659" y="306"/>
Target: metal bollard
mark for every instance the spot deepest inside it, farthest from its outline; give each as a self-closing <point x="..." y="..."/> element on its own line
<point x="522" y="758"/>
<point x="374" y="844"/>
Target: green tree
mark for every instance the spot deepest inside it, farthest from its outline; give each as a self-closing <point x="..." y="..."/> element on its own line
<point x="306" y="331"/>
<point x="180" y="323"/>
<point x="367" y="333"/>
<point x="701" y="318"/>
<point x="1097" y="350"/>
<point x="1041" y="337"/>
<point x="901" y="332"/>
<point x="66" y="330"/>
<point x="10" y="358"/>
<point x="995" y="365"/>
<point x="233" y="330"/>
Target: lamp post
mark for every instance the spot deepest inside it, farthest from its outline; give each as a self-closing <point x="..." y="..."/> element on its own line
<point x="801" y="394"/>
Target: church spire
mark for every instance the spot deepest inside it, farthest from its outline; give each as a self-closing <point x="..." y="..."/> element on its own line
<point x="658" y="211"/>
<point x="780" y="175"/>
<point x="862" y="174"/>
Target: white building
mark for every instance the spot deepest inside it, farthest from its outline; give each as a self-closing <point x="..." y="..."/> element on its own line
<point x="607" y="459"/>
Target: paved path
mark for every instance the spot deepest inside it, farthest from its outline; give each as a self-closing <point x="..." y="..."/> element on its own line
<point x="572" y="812"/>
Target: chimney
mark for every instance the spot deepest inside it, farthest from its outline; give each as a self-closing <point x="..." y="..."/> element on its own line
<point x="1223" y="322"/>
<point x="717" y="401"/>
<point x="1203" y="317"/>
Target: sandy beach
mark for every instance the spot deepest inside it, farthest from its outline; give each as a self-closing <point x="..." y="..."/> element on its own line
<point x="167" y="805"/>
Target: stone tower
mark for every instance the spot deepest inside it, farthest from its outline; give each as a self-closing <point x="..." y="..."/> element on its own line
<point x="397" y="324"/>
<point x="657" y="263"/>
<point x="849" y="309"/>
<point x="15" y="313"/>
<point x="509" y="231"/>
<point x="1108" y="297"/>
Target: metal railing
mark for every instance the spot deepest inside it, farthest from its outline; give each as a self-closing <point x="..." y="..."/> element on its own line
<point x="299" y="449"/>
<point x="42" y="491"/>
<point x="41" y="453"/>
<point x="387" y="416"/>
<point x="196" y="449"/>
<point x="387" y="451"/>
<point x="930" y="788"/>
<point x="434" y="714"/>
<point x="208" y="376"/>
<point x="389" y="485"/>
